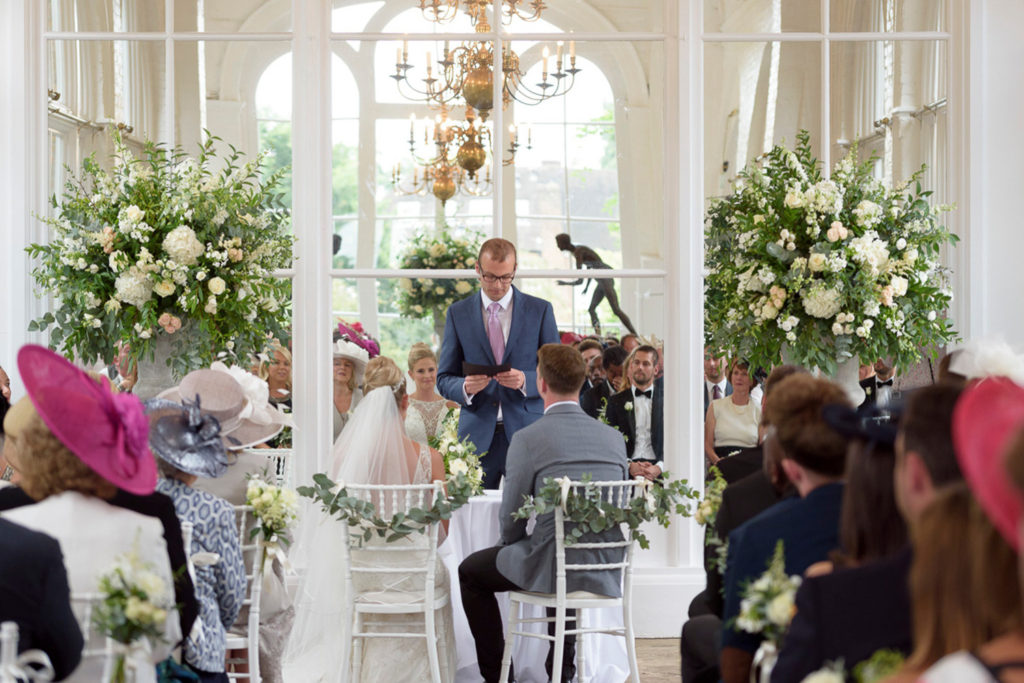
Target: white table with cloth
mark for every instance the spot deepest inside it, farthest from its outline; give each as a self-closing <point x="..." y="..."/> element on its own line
<point x="475" y="527"/>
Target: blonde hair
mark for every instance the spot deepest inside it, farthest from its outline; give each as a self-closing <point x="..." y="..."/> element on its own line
<point x="47" y="467"/>
<point x="264" y="369"/>
<point x="418" y="352"/>
<point x="384" y="372"/>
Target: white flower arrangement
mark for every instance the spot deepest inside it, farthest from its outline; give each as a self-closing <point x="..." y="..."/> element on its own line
<point x="134" y="606"/>
<point x="707" y="508"/>
<point x="161" y="236"/>
<point x="830" y="268"/>
<point x="441" y="251"/>
<point x="275" y="508"/>
<point x="767" y="606"/>
<point x="460" y="456"/>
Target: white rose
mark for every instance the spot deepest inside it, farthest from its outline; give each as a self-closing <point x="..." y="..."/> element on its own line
<point x="899" y="285"/>
<point x="458" y="467"/>
<point x="901" y="244"/>
<point x="217" y="285"/>
<point x="134" y="213"/>
<point x="931" y="316"/>
<point x="824" y="677"/>
<point x="780" y="609"/>
<point x="201" y="275"/>
<point x="794" y="199"/>
<point x="816" y="262"/>
<point x="837" y="329"/>
<point x="463" y="287"/>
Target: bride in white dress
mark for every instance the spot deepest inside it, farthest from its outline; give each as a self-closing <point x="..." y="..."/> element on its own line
<point x="427" y="408"/>
<point x="372" y="449"/>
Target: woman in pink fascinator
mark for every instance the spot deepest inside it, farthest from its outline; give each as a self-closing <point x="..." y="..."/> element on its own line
<point x="74" y="442"/>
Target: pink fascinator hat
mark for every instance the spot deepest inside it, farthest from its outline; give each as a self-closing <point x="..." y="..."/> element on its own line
<point x="986" y="418"/>
<point x="108" y="432"/>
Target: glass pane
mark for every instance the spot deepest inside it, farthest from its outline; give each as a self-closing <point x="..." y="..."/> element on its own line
<point x="888" y="15"/>
<point x="105" y="15"/>
<point x="355" y="17"/>
<point x="238" y="91"/>
<point x="414" y="21"/>
<point x="762" y="16"/>
<point x="229" y="16"/>
<point x="576" y="143"/>
<point x="397" y="238"/>
<point x="890" y="99"/>
<point x="113" y="82"/>
<point x="757" y="95"/>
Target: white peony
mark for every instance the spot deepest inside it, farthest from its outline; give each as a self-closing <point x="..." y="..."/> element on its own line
<point x="458" y="467"/>
<point x="164" y="288"/>
<point x="837" y="329"/>
<point x="134" y="213"/>
<point x="133" y="288"/>
<point x="899" y="285"/>
<point x="217" y="285"/>
<point x="182" y="245"/>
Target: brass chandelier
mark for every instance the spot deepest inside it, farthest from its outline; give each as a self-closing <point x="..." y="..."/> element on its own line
<point x="466" y="72"/>
<point x="443" y="11"/>
<point x="460" y="152"/>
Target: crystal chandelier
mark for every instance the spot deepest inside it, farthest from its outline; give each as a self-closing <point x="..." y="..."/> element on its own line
<point x="466" y="72"/>
<point x="443" y="11"/>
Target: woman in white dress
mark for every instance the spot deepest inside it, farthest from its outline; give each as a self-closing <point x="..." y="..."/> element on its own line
<point x="427" y="408"/>
<point x="373" y="449"/>
<point x="733" y="421"/>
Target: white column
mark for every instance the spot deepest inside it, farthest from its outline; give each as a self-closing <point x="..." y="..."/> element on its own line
<point x="311" y="217"/>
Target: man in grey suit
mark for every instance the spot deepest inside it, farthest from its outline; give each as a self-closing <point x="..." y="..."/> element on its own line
<point x="565" y="442"/>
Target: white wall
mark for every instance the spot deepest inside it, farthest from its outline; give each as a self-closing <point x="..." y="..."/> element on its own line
<point x="997" y="179"/>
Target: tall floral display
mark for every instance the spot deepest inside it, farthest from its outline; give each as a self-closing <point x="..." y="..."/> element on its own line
<point x="428" y="296"/>
<point x="824" y="271"/>
<point x="166" y="243"/>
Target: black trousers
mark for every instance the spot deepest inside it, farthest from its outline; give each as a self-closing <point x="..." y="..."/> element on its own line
<point x="479" y="580"/>
<point x="493" y="462"/>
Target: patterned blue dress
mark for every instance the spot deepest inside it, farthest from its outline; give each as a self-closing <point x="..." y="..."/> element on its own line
<point x="220" y="588"/>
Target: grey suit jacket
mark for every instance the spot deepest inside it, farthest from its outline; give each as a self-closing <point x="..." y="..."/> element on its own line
<point x="565" y="442"/>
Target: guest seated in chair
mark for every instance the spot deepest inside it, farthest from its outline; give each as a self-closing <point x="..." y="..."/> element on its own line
<point x="188" y="445"/>
<point x="638" y="413"/>
<point x="81" y="442"/>
<point x="813" y="457"/>
<point x="565" y="442"/>
<point x="732" y="422"/>
<point x="35" y="593"/>
<point x="596" y="398"/>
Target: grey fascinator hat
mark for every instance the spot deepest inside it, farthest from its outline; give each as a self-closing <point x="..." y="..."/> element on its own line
<point x="181" y="435"/>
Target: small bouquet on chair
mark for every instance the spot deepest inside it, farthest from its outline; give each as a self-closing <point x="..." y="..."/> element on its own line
<point x="132" y="612"/>
<point x="275" y="508"/>
<point x="767" y="607"/>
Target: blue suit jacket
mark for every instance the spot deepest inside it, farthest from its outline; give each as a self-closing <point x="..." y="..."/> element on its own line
<point x="465" y="339"/>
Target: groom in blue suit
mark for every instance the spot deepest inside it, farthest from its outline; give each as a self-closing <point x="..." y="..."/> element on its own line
<point x="499" y="325"/>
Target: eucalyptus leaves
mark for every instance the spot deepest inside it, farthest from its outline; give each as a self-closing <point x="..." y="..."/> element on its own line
<point x="589" y="511"/>
<point x="354" y="511"/>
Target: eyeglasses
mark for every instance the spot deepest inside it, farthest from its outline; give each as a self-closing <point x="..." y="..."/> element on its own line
<point x="491" y="279"/>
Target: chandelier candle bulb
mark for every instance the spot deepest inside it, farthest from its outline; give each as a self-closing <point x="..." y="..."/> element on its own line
<point x="405" y="51"/>
<point x="559" y="60"/>
<point x="544" y="68"/>
<point x="572" y="52"/>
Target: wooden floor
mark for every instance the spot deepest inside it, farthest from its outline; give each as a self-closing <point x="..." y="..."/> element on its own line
<point x="658" y="659"/>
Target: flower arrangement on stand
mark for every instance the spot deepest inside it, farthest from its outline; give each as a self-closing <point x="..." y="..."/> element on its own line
<point x="436" y="251"/>
<point x="827" y="269"/>
<point x="460" y="456"/>
<point x="767" y="607"/>
<point x="134" y="606"/>
<point x="167" y="246"/>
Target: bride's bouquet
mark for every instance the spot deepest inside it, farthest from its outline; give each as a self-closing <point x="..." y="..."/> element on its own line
<point x="460" y="456"/>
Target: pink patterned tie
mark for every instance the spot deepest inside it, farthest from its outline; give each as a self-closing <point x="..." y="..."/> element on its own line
<point x="494" y="333"/>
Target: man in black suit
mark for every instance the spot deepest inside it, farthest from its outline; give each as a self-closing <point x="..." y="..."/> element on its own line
<point x="590" y="349"/>
<point x="852" y="613"/>
<point x="878" y="389"/>
<point x="716" y="384"/>
<point x="638" y="412"/>
<point x="593" y="399"/>
<point x="36" y="596"/>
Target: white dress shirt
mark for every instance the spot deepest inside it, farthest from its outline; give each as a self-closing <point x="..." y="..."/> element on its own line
<point x="643" y="408"/>
<point x="505" y="319"/>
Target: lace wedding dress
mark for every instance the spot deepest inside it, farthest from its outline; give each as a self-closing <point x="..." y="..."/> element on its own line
<point x="424" y="419"/>
<point x="380" y="453"/>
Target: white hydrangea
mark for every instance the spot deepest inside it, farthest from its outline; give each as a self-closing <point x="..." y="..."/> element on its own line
<point x="824" y="197"/>
<point x="872" y="308"/>
<point x="821" y="301"/>
<point x="133" y="288"/>
<point x="867" y="213"/>
<point x="182" y="246"/>
<point x="766" y="275"/>
<point x="870" y="252"/>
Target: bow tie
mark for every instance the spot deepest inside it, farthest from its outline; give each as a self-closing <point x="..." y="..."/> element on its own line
<point x="647" y="394"/>
<point x="886" y="383"/>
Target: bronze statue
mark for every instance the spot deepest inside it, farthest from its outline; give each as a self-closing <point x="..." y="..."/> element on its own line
<point x="588" y="258"/>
